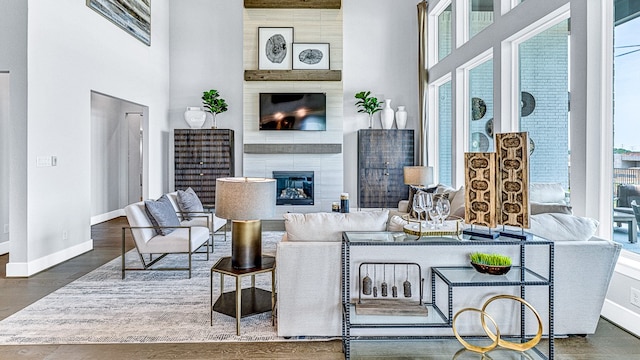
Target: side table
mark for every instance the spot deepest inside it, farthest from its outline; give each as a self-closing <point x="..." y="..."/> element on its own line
<point x="243" y="302"/>
<point x="630" y="219"/>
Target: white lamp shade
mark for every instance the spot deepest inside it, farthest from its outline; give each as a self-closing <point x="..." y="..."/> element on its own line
<point x="243" y="198"/>
<point x="418" y="175"/>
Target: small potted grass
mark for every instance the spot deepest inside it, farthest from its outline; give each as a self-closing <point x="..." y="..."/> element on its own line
<point x="494" y="264"/>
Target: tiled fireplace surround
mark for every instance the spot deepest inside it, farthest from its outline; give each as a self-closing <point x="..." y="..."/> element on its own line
<point x="317" y="151"/>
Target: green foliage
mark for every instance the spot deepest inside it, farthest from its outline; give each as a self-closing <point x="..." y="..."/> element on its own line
<point x="620" y="151"/>
<point x="490" y="259"/>
<point x="213" y="102"/>
<point x="367" y="104"/>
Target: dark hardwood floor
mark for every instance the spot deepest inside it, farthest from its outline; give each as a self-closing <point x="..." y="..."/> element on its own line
<point x="609" y="342"/>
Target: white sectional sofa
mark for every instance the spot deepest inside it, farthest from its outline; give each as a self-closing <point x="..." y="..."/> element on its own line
<point x="309" y="274"/>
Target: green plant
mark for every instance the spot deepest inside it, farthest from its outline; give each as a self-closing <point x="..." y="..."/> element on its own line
<point x="368" y="104"/>
<point x="214" y="104"/>
<point x="490" y="259"/>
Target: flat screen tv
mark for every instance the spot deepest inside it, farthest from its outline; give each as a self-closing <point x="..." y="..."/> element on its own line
<point x="293" y="111"/>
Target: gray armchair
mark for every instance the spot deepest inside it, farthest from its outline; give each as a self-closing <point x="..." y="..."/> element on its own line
<point x="625" y="195"/>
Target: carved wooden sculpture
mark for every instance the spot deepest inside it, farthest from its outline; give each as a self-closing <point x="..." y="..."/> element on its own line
<point x="513" y="179"/>
<point x="480" y="189"/>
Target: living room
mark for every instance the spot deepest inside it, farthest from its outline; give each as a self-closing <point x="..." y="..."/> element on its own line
<point x="55" y="65"/>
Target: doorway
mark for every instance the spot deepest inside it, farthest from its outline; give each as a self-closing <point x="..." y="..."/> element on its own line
<point x="117" y="167"/>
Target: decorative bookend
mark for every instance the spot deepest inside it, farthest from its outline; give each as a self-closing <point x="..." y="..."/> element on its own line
<point x="480" y="193"/>
<point x="513" y="182"/>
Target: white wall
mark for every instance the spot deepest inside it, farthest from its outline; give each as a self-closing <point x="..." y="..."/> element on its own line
<point x="67" y="60"/>
<point x="380" y="55"/>
<point x="4" y="161"/>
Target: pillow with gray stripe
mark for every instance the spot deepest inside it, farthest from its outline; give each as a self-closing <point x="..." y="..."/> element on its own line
<point x="189" y="203"/>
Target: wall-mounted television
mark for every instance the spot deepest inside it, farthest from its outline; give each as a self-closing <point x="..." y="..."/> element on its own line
<point x="293" y="111"/>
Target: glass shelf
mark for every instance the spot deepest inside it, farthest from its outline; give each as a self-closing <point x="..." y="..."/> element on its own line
<point x="434" y="318"/>
<point x="468" y="276"/>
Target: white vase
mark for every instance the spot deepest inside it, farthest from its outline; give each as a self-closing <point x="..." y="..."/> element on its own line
<point x="401" y="117"/>
<point x="195" y="117"/>
<point x="386" y="115"/>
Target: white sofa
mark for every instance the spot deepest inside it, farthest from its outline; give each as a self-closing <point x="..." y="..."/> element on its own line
<point x="309" y="270"/>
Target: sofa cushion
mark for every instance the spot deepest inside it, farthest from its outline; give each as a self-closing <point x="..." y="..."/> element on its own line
<point x="329" y="226"/>
<point x="563" y="227"/>
<point x="541" y="208"/>
<point x="189" y="203"/>
<point x="546" y="193"/>
<point x="162" y="213"/>
<point x="396" y="223"/>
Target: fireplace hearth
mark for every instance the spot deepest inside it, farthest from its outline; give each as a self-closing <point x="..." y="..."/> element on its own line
<point x="294" y="187"/>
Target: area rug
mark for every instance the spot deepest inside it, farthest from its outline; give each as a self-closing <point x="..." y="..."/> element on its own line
<point x="145" y="307"/>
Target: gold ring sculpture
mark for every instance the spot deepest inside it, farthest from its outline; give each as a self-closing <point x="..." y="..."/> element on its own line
<point x="497" y="341"/>
<point x="480" y="349"/>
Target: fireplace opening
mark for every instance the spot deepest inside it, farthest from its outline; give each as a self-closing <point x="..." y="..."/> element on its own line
<point x="294" y="187"/>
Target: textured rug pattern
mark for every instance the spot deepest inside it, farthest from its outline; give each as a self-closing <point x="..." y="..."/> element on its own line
<point x="145" y="307"/>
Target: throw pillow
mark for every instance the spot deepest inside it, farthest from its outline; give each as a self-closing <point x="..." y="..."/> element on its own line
<point x="414" y="190"/>
<point x="396" y="223"/>
<point x="329" y="226"/>
<point x="541" y="208"/>
<point x="563" y="227"/>
<point x="189" y="203"/>
<point x="161" y="213"/>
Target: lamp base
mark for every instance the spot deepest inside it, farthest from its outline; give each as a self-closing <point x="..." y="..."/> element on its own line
<point x="246" y="244"/>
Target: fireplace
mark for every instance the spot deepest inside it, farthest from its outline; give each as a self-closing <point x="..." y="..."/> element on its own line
<point x="294" y="187"/>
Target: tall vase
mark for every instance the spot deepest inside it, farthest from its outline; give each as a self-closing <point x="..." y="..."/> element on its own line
<point x="370" y="121"/>
<point x="386" y="115"/>
<point x="401" y="117"/>
<point x="214" y="123"/>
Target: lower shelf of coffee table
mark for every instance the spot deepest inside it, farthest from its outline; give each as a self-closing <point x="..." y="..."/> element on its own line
<point x="434" y="318"/>
<point x="254" y="301"/>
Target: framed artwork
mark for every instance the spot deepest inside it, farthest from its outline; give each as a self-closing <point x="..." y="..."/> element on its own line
<point x="132" y="16"/>
<point x="274" y="48"/>
<point x="311" y="56"/>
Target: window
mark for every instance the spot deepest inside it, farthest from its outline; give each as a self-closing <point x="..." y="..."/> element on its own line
<point x="445" y="135"/>
<point x="480" y="15"/>
<point x="445" y="39"/>
<point x="480" y="101"/>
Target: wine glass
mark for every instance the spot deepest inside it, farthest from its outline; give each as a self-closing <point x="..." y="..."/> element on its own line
<point x="434" y="214"/>
<point x="446" y="209"/>
<point x="428" y="204"/>
<point x="418" y="205"/>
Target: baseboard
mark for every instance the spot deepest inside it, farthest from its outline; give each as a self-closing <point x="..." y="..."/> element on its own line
<point x="621" y="316"/>
<point x="4" y="247"/>
<point x="27" y="269"/>
<point x="107" y="216"/>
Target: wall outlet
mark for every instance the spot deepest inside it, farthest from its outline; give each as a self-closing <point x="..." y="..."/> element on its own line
<point x="635" y="297"/>
<point x="6" y="228"/>
<point x="65" y="235"/>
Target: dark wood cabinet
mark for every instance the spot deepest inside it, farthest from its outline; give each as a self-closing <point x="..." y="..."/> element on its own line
<point x="382" y="155"/>
<point x="201" y="156"/>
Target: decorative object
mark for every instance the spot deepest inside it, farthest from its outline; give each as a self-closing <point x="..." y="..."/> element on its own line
<point x="495" y="337"/>
<point x="386" y="116"/>
<point x="311" y="56"/>
<point x="132" y="16"/>
<point x="528" y="104"/>
<point x="480" y="193"/>
<point x="214" y="104"/>
<point x="513" y="182"/>
<point x="488" y="128"/>
<point x="344" y="202"/>
<point x="494" y="264"/>
<point x="274" y="48"/>
<point x="335" y="206"/>
<point x="245" y="201"/>
<point x="479" y="142"/>
<point x="401" y="117"/>
<point x="478" y="108"/>
<point x="195" y="117"/>
<point x="368" y="104"/>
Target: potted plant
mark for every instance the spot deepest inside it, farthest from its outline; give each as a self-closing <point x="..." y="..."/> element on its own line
<point x="368" y="104"/>
<point x="494" y="264"/>
<point x="214" y="104"/>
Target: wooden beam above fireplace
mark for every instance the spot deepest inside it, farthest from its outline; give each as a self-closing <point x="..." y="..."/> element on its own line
<point x="292" y="148"/>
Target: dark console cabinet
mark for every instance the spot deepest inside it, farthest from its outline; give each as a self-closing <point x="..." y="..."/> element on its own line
<point x="202" y="156"/>
<point x="382" y="155"/>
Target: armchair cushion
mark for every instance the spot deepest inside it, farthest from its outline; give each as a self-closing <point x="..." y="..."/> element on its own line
<point x="540" y="208"/>
<point x="627" y="193"/>
<point x="188" y="202"/>
<point x="546" y="193"/>
<point x="161" y="214"/>
<point x="329" y="226"/>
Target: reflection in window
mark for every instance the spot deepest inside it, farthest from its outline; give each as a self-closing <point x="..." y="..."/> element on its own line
<point x="444" y="33"/>
<point x="544" y="73"/>
<point x="445" y="147"/>
<point x="480" y="15"/>
<point x="481" y="108"/>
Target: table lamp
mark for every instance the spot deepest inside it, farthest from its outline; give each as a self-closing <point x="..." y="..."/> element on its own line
<point x="245" y="201"/>
<point x="418" y="175"/>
